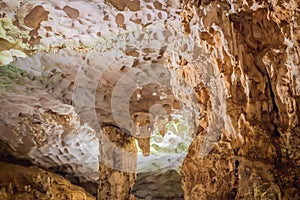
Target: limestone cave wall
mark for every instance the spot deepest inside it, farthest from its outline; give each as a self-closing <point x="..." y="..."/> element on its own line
<point x="83" y="84"/>
<point x="30" y="182"/>
<point x="254" y="50"/>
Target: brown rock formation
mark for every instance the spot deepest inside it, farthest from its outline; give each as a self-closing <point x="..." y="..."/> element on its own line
<point x="254" y="49"/>
<point x="18" y="182"/>
<point x="90" y="77"/>
<point x="117" y="165"/>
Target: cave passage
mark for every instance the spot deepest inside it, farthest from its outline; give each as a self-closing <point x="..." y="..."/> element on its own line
<point x="141" y="99"/>
<point x="159" y="174"/>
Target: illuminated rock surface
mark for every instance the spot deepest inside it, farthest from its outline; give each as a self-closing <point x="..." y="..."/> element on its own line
<point x="254" y="52"/>
<point x="100" y="90"/>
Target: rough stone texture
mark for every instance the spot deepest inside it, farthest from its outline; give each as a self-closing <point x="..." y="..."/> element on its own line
<point x="38" y="127"/>
<point x="62" y="95"/>
<point x="85" y="65"/>
<point x="18" y="182"/>
<point x="253" y="150"/>
<point x="117" y="177"/>
<point x="163" y="184"/>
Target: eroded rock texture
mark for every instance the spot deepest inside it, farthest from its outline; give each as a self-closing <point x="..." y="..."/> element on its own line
<point x="90" y="76"/>
<point x="250" y="150"/>
<point x="117" y="177"/>
<point x="18" y="182"/>
<point x="87" y="65"/>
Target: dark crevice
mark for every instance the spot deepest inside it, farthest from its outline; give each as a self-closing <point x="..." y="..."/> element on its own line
<point x="273" y="101"/>
<point x="236" y="166"/>
<point x="236" y="183"/>
<point x="6" y="155"/>
<point x="14" y="160"/>
<point x="280" y="166"/>
<point x="275" y="134"/>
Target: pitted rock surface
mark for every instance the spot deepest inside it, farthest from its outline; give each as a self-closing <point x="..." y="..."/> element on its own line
<point x="70" y="69"/>
<point x="88" y="64"/>
<point x="246" y="148"/>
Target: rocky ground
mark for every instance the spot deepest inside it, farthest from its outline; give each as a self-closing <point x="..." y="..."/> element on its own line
<point x="23" y="182"/>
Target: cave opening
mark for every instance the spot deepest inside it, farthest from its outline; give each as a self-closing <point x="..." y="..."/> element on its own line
<point x="159" y="174"/>
<point x="143" y="104"/>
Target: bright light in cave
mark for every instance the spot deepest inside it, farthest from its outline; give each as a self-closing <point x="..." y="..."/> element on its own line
<point x="169" y="143"/>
